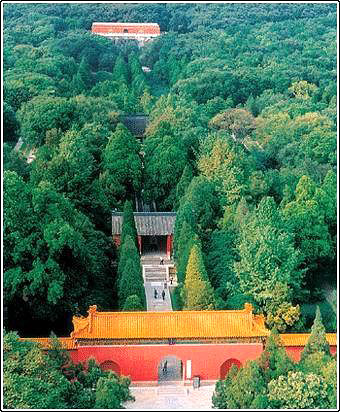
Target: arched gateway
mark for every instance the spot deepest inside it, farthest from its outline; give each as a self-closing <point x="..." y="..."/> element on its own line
<point x="225" y="367"/>
<point x="170" y="368"/>
<point x="110" y="366"/>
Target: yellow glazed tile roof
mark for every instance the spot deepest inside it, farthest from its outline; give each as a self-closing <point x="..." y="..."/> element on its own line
<point x="300" y="339"/>
<point x="66" y="343"/>
<point x="164" y="325"/>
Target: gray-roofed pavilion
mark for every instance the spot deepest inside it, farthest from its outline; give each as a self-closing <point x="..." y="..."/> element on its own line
<point x="155" y="228"/>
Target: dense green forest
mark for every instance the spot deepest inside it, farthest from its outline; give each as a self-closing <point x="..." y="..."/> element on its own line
<point x="241" y="142"/>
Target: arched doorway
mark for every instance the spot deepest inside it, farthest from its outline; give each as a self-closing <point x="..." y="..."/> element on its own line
<point x="170" y="368"/>
<point x="225" y="367"/>
<point x="110" y="366"/>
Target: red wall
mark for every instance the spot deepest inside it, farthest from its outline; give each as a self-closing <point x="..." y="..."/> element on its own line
<point x="140" y="362"/>
<point x="169" y="245"/>
<point x="295" y="352"/>
<point x="139" y="29"/>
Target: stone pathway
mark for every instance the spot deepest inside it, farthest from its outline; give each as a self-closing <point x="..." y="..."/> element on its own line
<point x="167" y="397"/>
<point x="157" y="304"/>
<point x="155" y="278"/>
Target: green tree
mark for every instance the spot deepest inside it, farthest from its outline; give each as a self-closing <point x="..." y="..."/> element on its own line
<point x="84" y="72"/>
<point x="53" y="255"/>
<point x="313" y="240"/>
<point x="41" y="114"/>
<point x="77" y="85"/>
<point x="274" y="360"/>
<point x="31" y="380"/>
<point x="131" y="282"/>
<point x="72" y="166"/>
<point x="197" y="292"/>
<point x="128" y="250"/>
<point x="133" y="303"/>
<point x="120" y="70"/>
<point x="112" y="391"/>
<point x="298" y="391"/>
<point x="11" y="125"/>
<point x="199" y="207"/>
<point x="317" y="341"/>
<point x="268" y="259"/>
<point x="242" y="389"/>
<point x="121" y="166"/>
<point x="222" y="394"/>
<point x="183" y="245"/>
<point x="239" y="122"/>
<point x="302" y="89"/>
<point x="165" y="159"/>
<point x="14" y="161"/>
<point x="128" y="225"/>
<point x="183" y="183"/>
<point x="224" y="163"/>
<point x="220" y="259"/>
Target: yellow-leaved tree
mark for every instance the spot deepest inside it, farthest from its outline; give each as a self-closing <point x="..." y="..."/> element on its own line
<point x="197" y="293"/>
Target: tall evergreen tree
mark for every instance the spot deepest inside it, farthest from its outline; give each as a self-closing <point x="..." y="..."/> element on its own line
<point x="131" y="283"/>
<point x="198" y="293"/>
<point x="128" y="250"/>
<point x="274" y="360"/>
<point x="243" y="389"/>
<point x="317" y="341"/>
<point x="185" y="241"/>
<point x="84" y="72"/>
<point x="121" y="166"/>
<point x="120" y="70"/>
<point x="184" y="182"/>
<point x="128" y="226"/>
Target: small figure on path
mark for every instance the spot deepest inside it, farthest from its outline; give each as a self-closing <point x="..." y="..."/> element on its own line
<point x="163" y="295"/>
<point x="165" y="285"/>
<point x="155" y="293"/>
<point x="162" y="261"/>
<point x="171" y="279"/>
<point x="165" y="367"/>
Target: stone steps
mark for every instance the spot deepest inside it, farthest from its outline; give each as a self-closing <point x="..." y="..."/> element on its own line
<point x="155" y="280"/>
<point x="154" y="269"/>
<point x="155" y="273"/>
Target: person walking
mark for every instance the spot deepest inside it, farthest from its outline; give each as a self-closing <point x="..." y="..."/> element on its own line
<point x="155" y="293"/>
<point x="163" y="295"/>
<point x="165" y="367"/>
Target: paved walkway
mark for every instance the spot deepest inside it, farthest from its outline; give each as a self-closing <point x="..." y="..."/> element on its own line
<point x="157" y="304"/>
<point x="155" y="279"/>
<point x="167" y="397"/>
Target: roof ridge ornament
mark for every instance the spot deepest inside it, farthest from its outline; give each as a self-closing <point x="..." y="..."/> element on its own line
<point x="248" y="307"/>
<point x="92" y="311"/>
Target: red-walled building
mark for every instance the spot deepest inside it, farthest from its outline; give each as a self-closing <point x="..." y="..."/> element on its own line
<point x="173" y="346"/>
<point x="142" y="32"/>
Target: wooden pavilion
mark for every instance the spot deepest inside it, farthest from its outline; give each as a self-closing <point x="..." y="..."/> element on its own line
<point x="154" y="230"/>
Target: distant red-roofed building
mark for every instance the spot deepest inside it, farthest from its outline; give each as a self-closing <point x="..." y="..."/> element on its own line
<point x="142" y="32"/>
